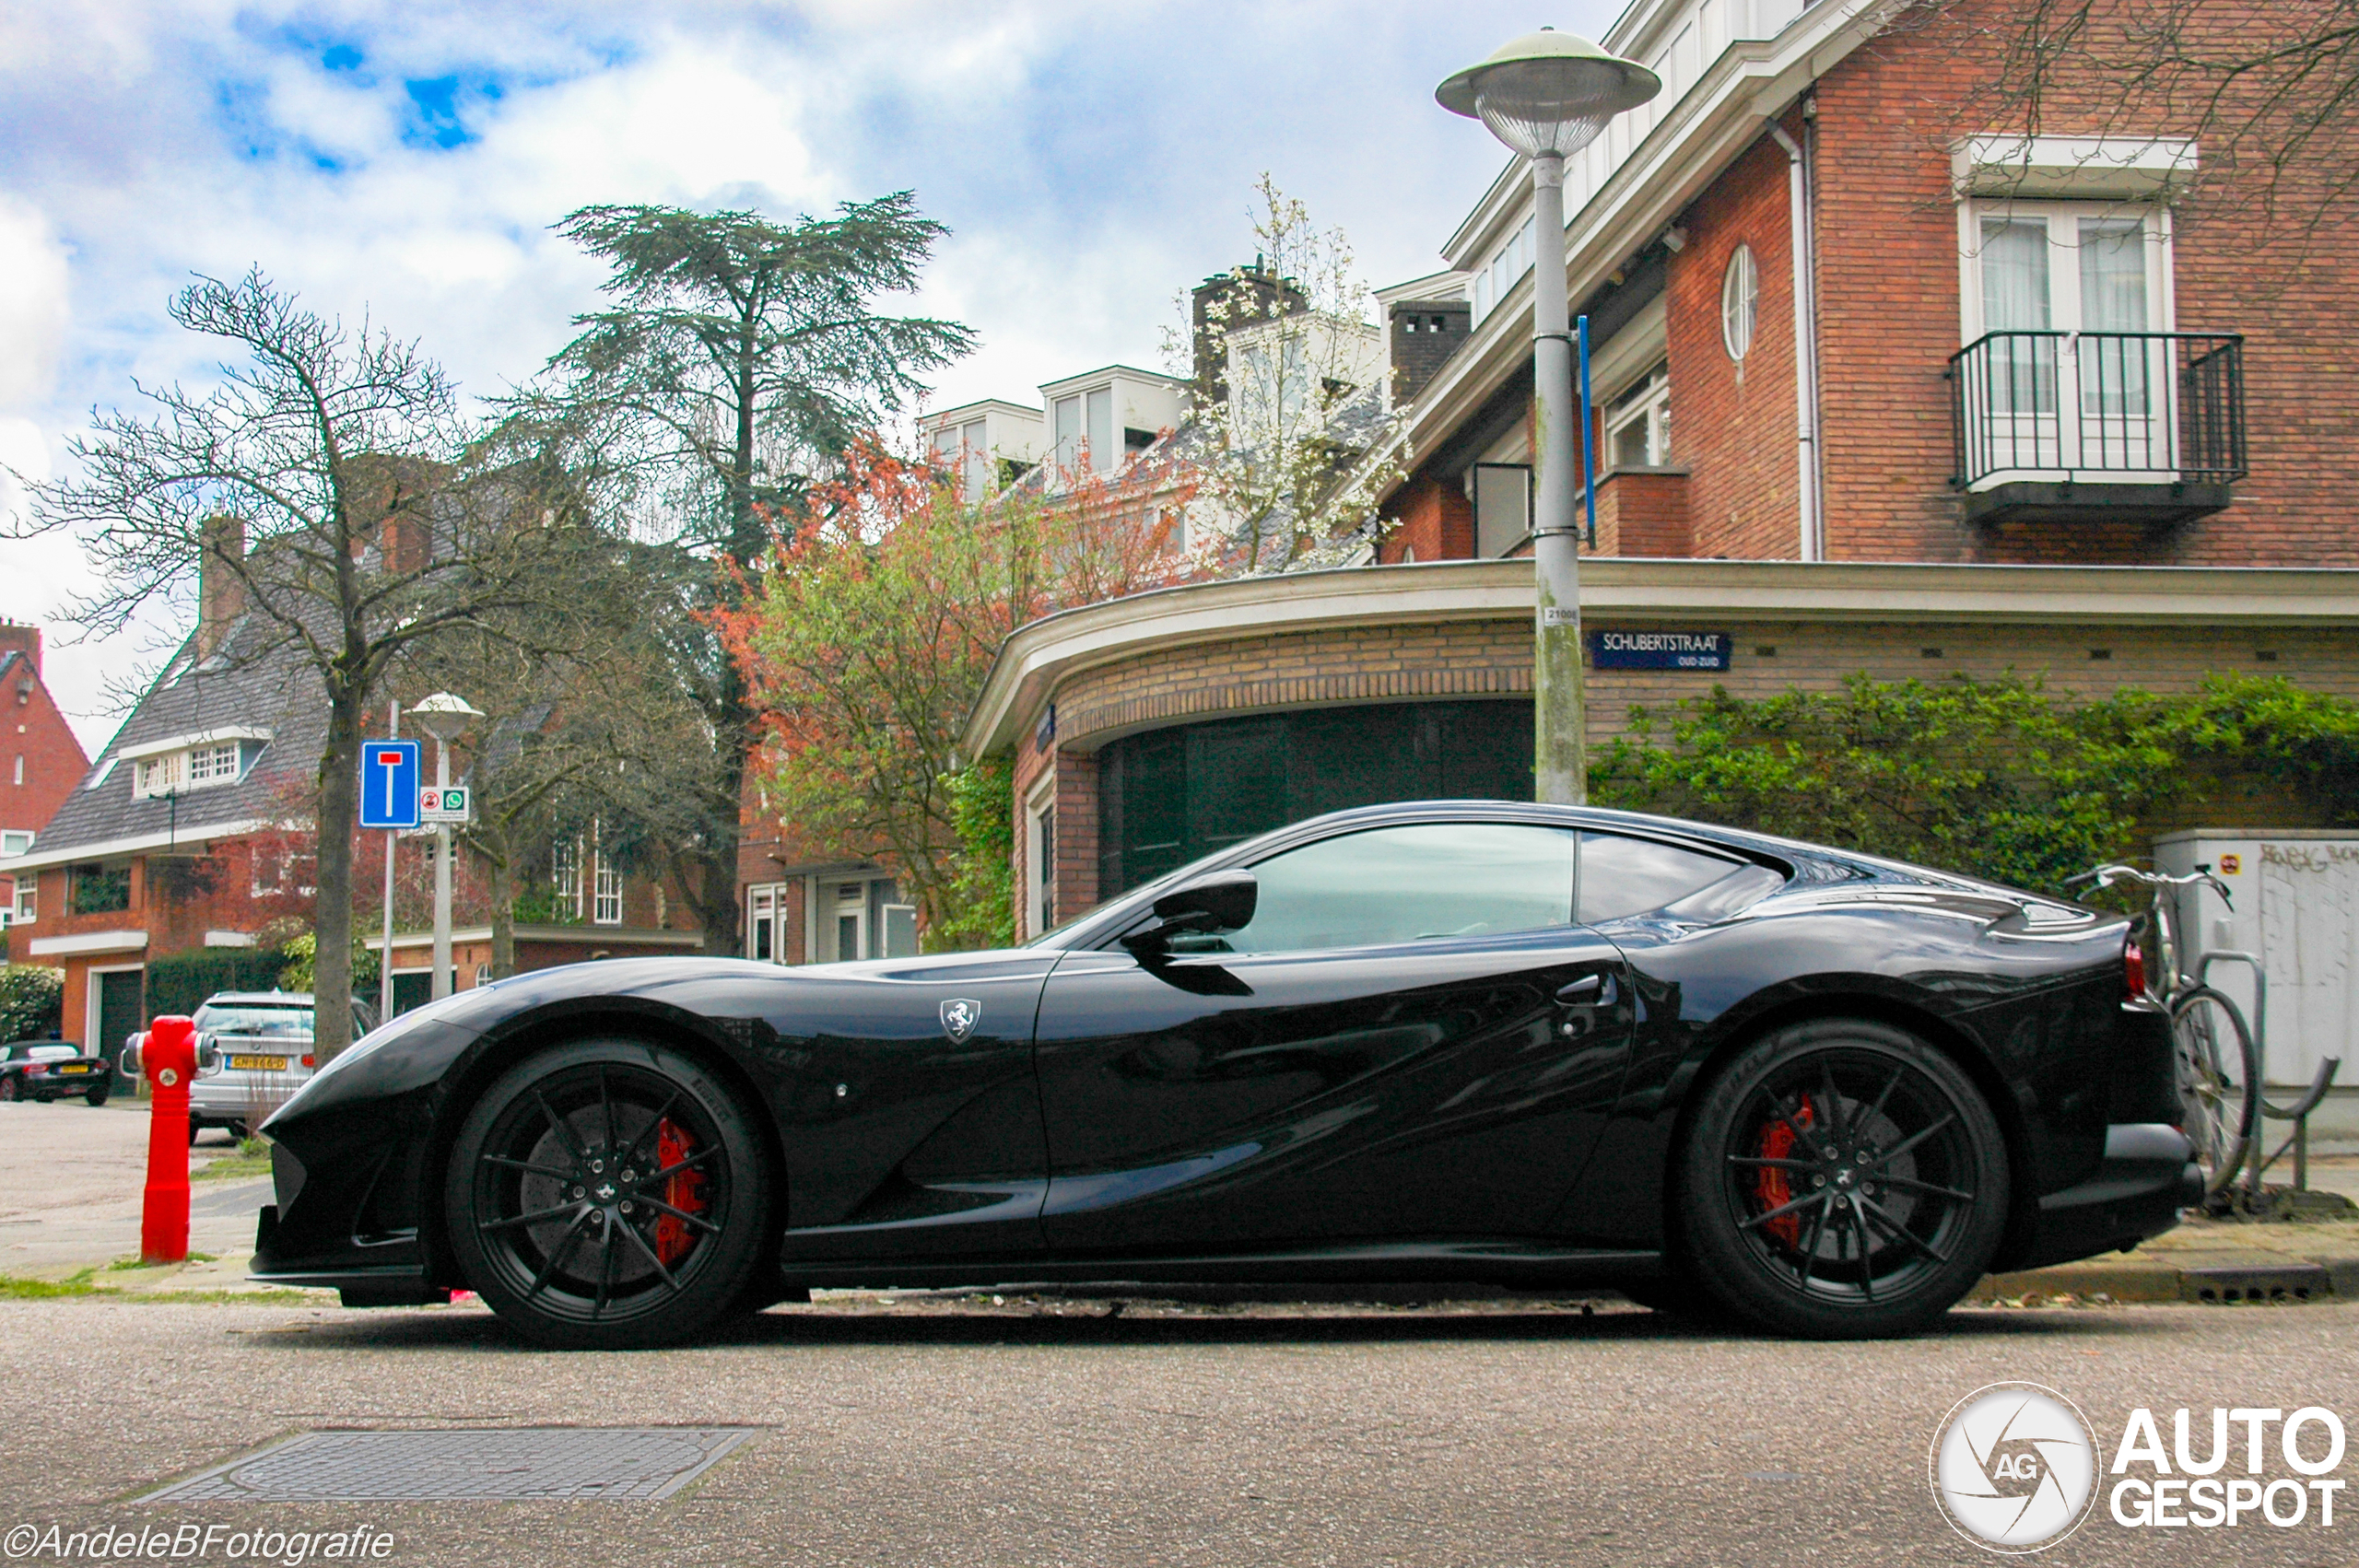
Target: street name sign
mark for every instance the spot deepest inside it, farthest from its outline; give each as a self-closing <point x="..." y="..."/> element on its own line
<point x="1659" y="651"/>
<point x="389" y="784"/>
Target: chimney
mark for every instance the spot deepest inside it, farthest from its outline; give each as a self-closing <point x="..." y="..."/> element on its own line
<point x="220" y="591"/>
<point x="15" y="638"/>
<point x="1424" y="333"/>
<point x="1254" y="294"/>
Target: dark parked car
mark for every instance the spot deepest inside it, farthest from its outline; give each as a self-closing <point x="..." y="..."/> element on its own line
<point x="1453" y="1041"/>
<point x="52" y="1069"/>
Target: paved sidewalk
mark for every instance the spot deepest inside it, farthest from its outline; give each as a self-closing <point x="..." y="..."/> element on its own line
<point x="71" y="1185"/>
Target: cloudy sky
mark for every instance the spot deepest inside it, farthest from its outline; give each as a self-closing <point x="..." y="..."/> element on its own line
<point x="407" y="159"/>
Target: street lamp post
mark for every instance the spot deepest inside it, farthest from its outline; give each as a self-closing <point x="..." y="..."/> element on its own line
<point x="445" y="717"/>
<point x="1548" y="95"/>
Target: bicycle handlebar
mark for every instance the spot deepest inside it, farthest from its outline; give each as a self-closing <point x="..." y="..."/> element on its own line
<point x="2106" y="876"/>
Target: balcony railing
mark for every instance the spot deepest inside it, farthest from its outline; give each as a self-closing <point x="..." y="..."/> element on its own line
<point x="2109" y="407"/>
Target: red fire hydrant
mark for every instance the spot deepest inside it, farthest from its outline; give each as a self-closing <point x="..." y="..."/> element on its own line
<point x="167" y="1056"/>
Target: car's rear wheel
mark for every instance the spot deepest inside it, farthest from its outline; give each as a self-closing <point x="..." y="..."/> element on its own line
<point x="95" y="1098"/>
<point x="1842" y="1180"/>
<point x="8" y="1090"/>
<point x="610" y="1194"/>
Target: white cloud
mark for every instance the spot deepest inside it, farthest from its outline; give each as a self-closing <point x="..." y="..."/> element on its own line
<point x="1091" y="160"/>
<point x="33" y="306"/>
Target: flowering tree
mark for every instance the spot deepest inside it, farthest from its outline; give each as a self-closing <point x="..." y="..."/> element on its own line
<point x="1280" y="427"/>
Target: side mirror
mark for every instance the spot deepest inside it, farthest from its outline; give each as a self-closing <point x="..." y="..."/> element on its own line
<point x="1224" y="901"/>
<point x="131" y="1052"/>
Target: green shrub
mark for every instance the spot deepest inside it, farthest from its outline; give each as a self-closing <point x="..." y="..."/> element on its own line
<point x="32" y="1002"/>
<point x="178" y="983"/>
<point x="301" y="953"/>
<point x="1996" y="779"/>
<point x="979" y="910"/>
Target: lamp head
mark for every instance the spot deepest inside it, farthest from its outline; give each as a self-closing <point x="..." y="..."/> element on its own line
<point x="1548" y="92"/>
<point x="445" y="717"/>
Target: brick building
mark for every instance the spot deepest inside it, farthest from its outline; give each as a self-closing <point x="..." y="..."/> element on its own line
<point x="2011" y="404"/>
<point x="192" y="831"/>
<point x="39" y="765"/>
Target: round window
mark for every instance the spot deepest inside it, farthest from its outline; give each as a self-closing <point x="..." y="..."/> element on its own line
<point x="1740" y="295"/>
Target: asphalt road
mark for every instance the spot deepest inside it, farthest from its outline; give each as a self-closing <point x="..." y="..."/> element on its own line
<point x="1045" y="1432"/>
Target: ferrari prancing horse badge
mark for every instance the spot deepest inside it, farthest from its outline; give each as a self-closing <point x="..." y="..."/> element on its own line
<point x="960" y="1017"/>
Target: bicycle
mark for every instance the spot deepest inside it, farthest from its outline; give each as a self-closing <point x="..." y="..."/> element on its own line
<point x="2219" y="1088"/>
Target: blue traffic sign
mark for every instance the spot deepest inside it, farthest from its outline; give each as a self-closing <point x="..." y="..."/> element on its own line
<point x="388" y="783"/>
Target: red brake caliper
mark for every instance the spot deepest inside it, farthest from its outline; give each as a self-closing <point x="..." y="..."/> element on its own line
<point x="683" y="1190"/>
<point x="1769" y="1184"/>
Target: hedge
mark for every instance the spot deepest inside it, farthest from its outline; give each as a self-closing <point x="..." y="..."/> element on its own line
<point x="178" y="983"/>
<point x="1999" y="778"/>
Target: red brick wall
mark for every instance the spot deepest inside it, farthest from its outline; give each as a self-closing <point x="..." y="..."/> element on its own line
<point x="1432" y="520"/>
<point x="1644" y="512"/>
<point x="36" y="731"/>
<point x="1734" y="425"/>
<point x="1889" y="314"/>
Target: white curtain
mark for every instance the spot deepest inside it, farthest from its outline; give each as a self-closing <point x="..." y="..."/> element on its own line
<point x="2115" y="373"/>
<point x="2015" y="299"/>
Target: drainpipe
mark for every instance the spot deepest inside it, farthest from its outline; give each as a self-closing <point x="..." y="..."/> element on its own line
<point x="1814" y="518"/>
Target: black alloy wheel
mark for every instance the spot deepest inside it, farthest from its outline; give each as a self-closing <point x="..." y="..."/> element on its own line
<point x="1842" y="1180"/>
<point x="95" y="1098"/>
<point x="609" y="1195"/>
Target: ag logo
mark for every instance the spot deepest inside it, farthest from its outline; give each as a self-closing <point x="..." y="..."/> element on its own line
<point x="960" y="1017"/>
<point x="2015" y="1467"/>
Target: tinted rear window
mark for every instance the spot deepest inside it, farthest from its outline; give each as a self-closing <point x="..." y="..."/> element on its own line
<point x="1632" y="876"/>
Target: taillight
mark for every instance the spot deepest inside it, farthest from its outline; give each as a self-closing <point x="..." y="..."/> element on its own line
<point x="2133" y="968"/>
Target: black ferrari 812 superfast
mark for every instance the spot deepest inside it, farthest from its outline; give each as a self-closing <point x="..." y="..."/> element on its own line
<point x="1537" y="1047"/>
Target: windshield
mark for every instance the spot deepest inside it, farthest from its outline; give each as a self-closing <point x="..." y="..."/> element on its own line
<point x="256" y="1021"/>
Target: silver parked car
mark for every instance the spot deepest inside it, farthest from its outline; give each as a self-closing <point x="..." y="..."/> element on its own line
<point x="253" y="1050"/>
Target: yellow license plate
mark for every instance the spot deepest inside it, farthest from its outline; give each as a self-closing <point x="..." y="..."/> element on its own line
<point x="76" y="1067"/>
<point x="259" y="1063"/>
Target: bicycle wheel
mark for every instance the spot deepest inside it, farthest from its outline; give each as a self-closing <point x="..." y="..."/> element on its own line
<point x="2218" y="1089"/>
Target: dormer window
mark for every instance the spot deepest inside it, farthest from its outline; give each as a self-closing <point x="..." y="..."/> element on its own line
<point x="176" y="773"/>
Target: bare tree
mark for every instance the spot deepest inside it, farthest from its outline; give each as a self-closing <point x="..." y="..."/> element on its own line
<point x="322" y="487"/>
<point x="2271" y="92"/>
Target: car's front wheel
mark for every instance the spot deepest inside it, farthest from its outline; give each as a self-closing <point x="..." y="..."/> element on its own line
<point x="608" y="1195"/>
<point x="1842" y="1180"/>
<point x="8" y="1090"/>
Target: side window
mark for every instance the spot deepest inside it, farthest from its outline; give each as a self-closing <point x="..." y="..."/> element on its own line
<point x="1630" y="876"/>
<point x="1395" y="884"/>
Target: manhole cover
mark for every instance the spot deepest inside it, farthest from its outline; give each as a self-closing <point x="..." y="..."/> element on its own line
<point x="529" y="1462"/>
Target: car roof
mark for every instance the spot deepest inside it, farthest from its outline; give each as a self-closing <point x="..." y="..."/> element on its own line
<point x="259" y="998"/>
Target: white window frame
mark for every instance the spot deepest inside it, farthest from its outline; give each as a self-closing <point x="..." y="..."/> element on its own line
<point x="2043" y="429"/>
<point x="1740" y="302"/>
<point x="2063" y="268"/>
<point x="17" y="841"/>
<point x="848" y="897"/>
<point x="207" y="767"/>
<point x="1652" y="411"/>
<point x="28" y="899"/>
<point x="565" y="874"/>
<point x="766" y="907"/>
<point x="606" y="889"/>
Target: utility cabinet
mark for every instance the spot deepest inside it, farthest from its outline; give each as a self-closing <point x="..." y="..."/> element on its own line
<point x="2296" y="906"/>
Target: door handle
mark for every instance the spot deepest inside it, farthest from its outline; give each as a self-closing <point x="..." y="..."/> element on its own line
<point x="1590" y="990"/>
